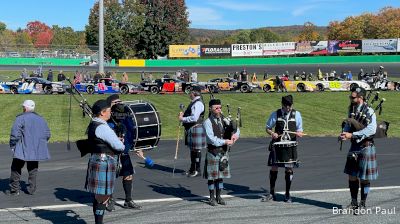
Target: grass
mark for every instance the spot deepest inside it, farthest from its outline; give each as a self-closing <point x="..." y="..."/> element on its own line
<point x="322" y="112"/>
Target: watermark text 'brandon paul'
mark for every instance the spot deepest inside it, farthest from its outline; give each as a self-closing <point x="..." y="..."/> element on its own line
<point x="365" y="211"/>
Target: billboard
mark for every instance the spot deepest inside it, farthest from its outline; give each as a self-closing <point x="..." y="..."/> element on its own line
<point x="379" y="45"/>
<point x="338" y="46"/>
<point x="215" y="50"/>
<point x="319" y="48"/>
<point x="246" y="50"/>
<point x="184" y="51"/>
<point x="279" y="48"/>
<point x="305" y="47"/>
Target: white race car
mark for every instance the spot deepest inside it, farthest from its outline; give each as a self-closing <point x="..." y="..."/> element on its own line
<point x="340" y="85"/>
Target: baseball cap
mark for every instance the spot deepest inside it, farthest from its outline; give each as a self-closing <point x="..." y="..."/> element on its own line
<point x="30" y="104"/>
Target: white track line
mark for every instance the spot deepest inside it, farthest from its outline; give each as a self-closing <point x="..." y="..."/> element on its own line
<point x="174" y="199"/>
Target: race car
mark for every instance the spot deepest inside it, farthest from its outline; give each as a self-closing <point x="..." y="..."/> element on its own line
<point x="337" y="84"/>
<point x="230" y="84"/>
<point x="269" y="85"/>
<point x="169" y="85"/>
<point x="108" y="85"/>
<point x="33" y="85"/>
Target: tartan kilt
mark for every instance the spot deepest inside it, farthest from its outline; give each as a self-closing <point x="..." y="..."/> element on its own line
<point x="211" y="167"/>
<point x="101" y="174"/>
<point x="365" y="166"/>
<point x="196" y="138"/>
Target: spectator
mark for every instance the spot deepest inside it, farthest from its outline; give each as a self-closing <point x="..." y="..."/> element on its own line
<point x="61" y="77"/>
<point x="349" y="76"/>
<point x="24" y="74"/>
<point x="50" y="76"/>
<point x="193" y="77"/>
<point x="97" y="77"/>
<point x="124" y="77"/>
<point x="265" y="75"/>
<point x="28" y="142"/>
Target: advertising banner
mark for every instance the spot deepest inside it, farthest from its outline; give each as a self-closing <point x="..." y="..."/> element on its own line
<point x="338" y="46"/>
<point x="379" y="45"/>
<point x="398" y="45"/>
<point x="215" y="50"/>
<point x="319" y="48"/>
<point x="247" y="50"/>
<point x="280" y="48"/>
<point x="305" y="47"/>
<point x="184" y="51"/>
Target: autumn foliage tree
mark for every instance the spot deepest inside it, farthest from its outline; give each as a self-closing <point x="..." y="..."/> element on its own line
<point x="40" y="33"/>
<point x="308" y="33"/>
<point x="384" y="24"/>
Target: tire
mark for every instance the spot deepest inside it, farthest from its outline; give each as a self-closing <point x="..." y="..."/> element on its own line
<point x="397" y="88"/>
<point x="301" y="87"/>
<point x="14" y="90"/>
<point x="267" y="88"/>
<point x="154" y="90"/>
<point x="90" y="89"/>
<point x="188" y="89"/>
<point x="213" y="89"/>
<point x="245" y="88"/>
<point x="320" y="87"/>
<point x="124" y="89"/>
<point x="353" y="86"/>
<point x="47" y="90"/>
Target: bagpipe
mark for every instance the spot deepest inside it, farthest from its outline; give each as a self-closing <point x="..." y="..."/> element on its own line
<point x="360" y="119"/>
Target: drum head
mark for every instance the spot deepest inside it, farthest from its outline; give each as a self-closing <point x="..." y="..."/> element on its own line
<point x="147" y="124"/>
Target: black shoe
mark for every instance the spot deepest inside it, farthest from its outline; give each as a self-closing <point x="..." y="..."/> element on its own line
<point x="353" y="205"/>
<point x="193" y="174"/>
<point x="132" y="205"/>
<point x="268" y="197"/>
<point x="12" y="193"/>
<point x="220" y="201"/>
<point x="110" y="205"/>
<point x="288" y="199"/>
<point x="212" y="202"/>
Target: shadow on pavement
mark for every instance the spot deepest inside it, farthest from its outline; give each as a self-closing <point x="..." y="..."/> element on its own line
<point x="179" y="191"/>
<point x="79" y="196"/>
<point x="234" y="189"/>
<point x="316" y="203"/>
<point x="63" y="216"/>
<point x="159" y="167"/>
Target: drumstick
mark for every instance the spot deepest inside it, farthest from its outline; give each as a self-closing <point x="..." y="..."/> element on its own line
<point x="292" y="132"/>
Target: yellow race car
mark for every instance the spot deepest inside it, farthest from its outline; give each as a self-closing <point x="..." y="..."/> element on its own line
<point x="269" y="85"/>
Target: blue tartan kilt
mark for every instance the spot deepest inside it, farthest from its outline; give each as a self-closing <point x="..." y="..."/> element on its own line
<point x="211" y="167"/>
<point x="363" y="165"/>
<point x="196" y="138"/>
<point x="101" y="174"/>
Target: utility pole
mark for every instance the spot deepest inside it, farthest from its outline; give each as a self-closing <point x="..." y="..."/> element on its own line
<point x="101" y="36"/>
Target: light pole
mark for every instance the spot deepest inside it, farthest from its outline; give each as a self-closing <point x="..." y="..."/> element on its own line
<point x="101" y="36"/>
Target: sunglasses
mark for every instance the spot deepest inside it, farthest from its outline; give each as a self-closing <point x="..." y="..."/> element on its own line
<point x="216" y="108"/>
<point x="352" y="97"/>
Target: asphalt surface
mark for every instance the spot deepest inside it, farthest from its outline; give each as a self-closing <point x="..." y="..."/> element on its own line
<point x="319" y="186"/>
<point x="391" y="68"/>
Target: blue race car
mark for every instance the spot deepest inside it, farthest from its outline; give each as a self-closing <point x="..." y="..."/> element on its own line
<point x="108" y="85"/>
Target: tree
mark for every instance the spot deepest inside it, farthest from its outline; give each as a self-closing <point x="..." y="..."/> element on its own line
<point x="308" y="33"/>
<point x="383" y="25"/>
<point x="166" y="23"/>
<point x="7" y="40"/>
<point x="263" y="36"/>
<point x="40" y="33"/>
<point x="3" y="27"/>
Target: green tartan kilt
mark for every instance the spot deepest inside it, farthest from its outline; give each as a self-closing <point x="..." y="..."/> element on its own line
<point x="211" y="167"/>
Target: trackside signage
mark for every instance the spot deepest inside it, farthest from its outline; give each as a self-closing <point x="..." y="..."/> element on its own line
<point x="215" y="50"/>
<point x="247" y="50"/>
<point x="280" y="48"/>
<point x="379" y="45"/>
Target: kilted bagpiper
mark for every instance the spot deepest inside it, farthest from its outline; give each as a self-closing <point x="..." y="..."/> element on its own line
<point x="216" y="167"/>
<point x="361" y="165"/>
<point x="103" y="162"/>
<point x="195" y="138"/>
<point x="288" y="125"/>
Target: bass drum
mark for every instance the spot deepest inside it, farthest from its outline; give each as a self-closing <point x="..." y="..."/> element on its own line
<point x="147" y="124"/>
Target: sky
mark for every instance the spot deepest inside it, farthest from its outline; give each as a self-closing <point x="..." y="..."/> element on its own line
<point x="208" y="14"/>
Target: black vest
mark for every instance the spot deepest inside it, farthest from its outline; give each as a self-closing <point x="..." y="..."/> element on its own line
<point x="188" y="112"/>
<point x="97" y="144"/>
<point x="217" y="133"/>
<point x="280" y="124"/>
